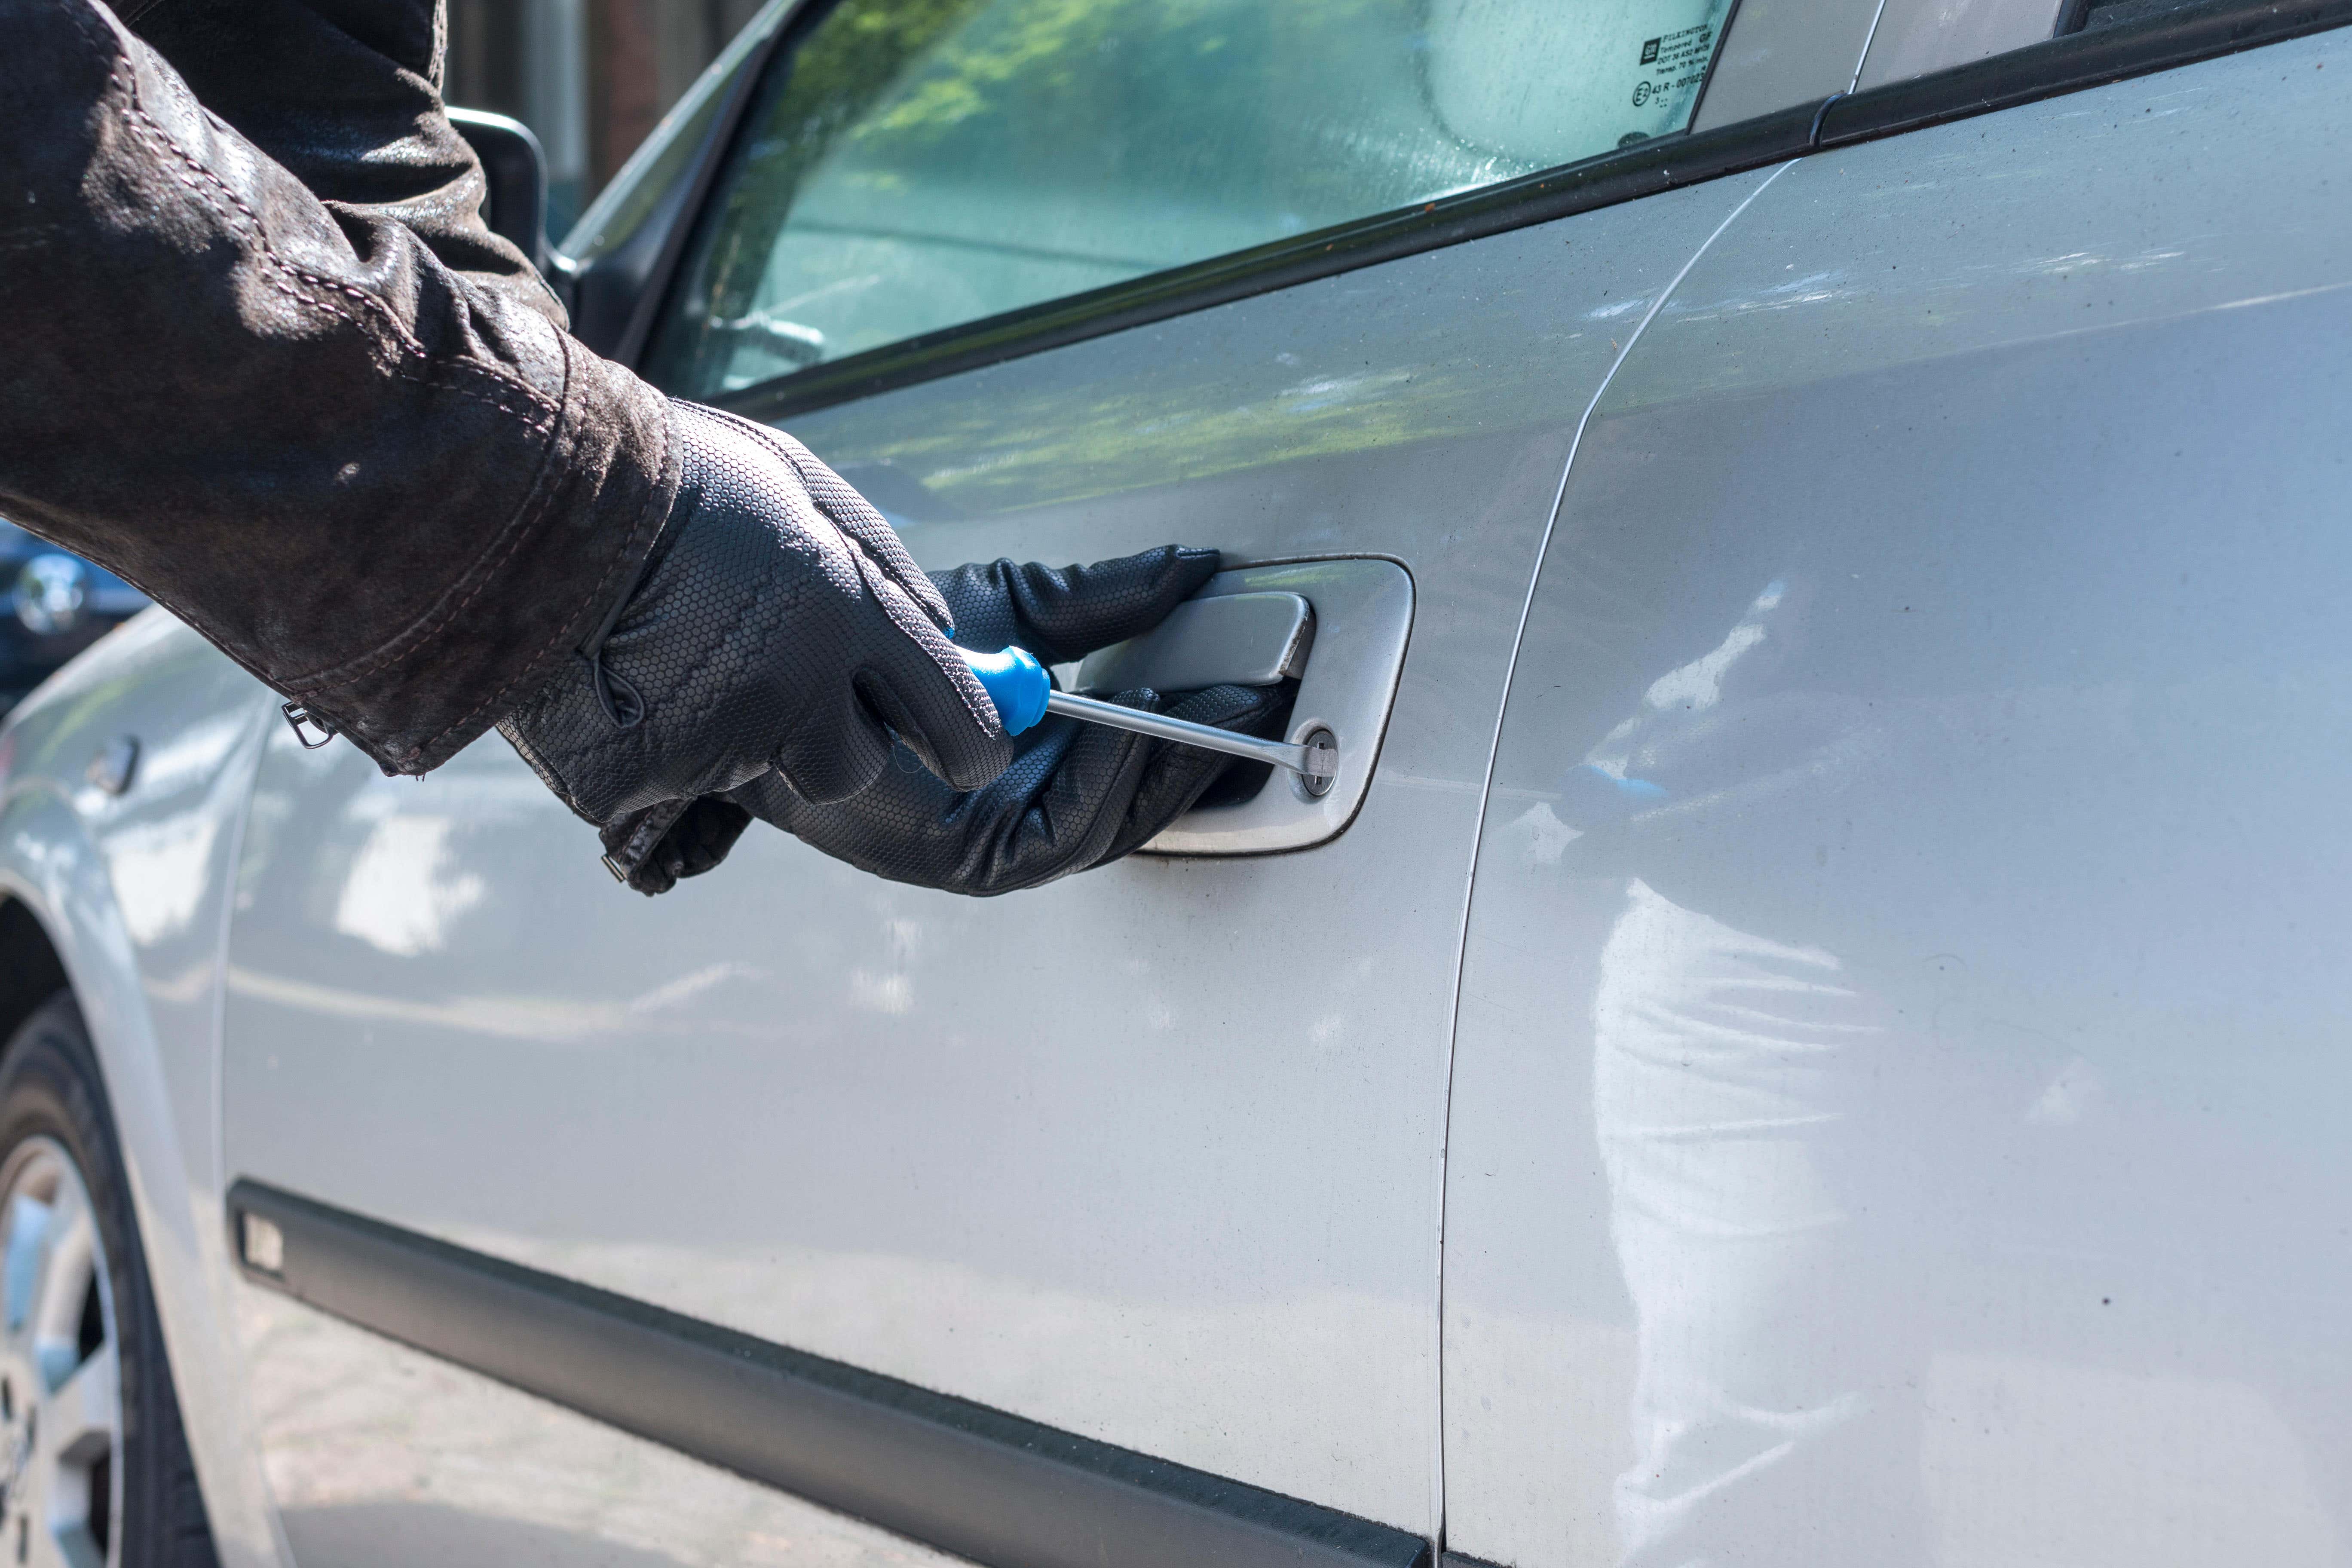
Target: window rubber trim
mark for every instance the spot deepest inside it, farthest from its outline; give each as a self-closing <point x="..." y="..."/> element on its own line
<point x="667" y="256"/>
<point x="2071" y="62"/>
<point x="2065" y="64"/>
<point x="980" y="1483"/>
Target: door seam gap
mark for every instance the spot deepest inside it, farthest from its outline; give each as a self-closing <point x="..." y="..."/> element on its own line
<point x="1486" y="790"/>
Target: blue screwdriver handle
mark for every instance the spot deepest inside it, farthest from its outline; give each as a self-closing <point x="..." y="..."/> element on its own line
<point x="1023" y="694"/>
<point x="1016" y="682"/>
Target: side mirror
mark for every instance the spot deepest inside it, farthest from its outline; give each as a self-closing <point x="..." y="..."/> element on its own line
<point x="516" y="169"/>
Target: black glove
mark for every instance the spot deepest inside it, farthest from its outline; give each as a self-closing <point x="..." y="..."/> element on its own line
<point x="779" y="623"/>
<point x="1076" y="796"/>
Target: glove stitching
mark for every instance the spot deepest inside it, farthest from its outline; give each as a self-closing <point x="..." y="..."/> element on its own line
<point x="1101" y="833"/>
<point x="548" y="776"/>
<point x="31" y="237"/>
<point x="1104" y="831"/>
<point x="958" y="675"/>
<point x="711" y="655"/>
<point x="895" y="559"/>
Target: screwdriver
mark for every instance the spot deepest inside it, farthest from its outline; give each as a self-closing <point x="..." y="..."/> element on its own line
<point x="1023" y="693"/>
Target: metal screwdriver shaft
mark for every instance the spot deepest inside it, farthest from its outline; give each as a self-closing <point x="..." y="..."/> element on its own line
<point x="1318" y="765"/>
<point x="1017" y="684"/>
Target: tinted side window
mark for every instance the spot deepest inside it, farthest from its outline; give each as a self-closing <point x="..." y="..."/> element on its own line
<point x="917" y="163"/>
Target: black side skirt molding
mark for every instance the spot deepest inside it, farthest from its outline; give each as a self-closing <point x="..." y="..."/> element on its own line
<point x="961" y="1477"/>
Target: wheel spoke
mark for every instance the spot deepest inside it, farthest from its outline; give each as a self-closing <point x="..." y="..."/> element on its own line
<point x="20" y="1270"/>
<point x="67" y="1249"/>
<point x="61" y="1405"/>
<point x="68" y="1209"/>
<point x="78" y="1420"/>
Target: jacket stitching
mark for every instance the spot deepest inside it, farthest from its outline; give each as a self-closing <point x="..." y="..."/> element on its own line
<point x="402" y="341"/>
<point x="661" y="470"/>
<point x="523" y="525"/>
<point x="518" y="529"/>
<point x="537" y="419"/>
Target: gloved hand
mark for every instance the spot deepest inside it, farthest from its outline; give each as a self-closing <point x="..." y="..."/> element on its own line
<point x="1076" y="796"/>
<point x="778" y="625"/>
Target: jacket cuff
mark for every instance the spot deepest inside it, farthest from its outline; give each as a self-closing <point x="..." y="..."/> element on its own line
<point x="533" y="595"/>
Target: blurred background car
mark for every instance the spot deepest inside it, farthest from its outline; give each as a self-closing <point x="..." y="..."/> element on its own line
<point x="56" y="605"/>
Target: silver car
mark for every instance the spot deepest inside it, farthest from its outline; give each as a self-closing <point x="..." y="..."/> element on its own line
<point x="1811" y="1028"/>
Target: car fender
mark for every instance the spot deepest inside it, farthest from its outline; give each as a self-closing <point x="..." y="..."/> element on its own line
<point x="146" y="970"/>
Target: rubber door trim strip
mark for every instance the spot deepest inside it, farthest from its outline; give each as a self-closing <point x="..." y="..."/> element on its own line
<point x="965" y="1479"/>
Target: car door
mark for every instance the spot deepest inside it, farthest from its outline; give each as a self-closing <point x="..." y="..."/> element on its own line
<point x="1096" y="1221"/>
<point x="1895" y="1114"/>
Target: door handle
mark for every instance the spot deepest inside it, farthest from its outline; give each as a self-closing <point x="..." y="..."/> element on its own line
<point x="1228" y="639"/>
<point x="1339" y="627"/>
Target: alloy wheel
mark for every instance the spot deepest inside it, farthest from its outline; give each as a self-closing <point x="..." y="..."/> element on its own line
<point x="60" y="1384"/>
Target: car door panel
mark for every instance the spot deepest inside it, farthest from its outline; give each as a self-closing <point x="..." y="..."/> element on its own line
<point x="1150" y="1154"/>
<point x="1901" y="1039"/>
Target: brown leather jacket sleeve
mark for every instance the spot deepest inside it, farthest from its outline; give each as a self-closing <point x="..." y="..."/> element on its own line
<point x="266" y="362"/>
<point x="345" y="96"/>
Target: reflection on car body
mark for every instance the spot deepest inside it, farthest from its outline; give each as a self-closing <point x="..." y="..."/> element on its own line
<point x="1817" y="1038"/>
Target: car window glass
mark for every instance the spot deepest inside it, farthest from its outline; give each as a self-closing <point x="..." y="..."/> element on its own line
<point x="912" y="165"/>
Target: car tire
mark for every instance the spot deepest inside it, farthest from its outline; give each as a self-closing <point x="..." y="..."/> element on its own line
<point x="73" y="1288"/>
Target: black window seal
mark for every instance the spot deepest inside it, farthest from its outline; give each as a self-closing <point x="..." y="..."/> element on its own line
<point x="2072" y="14"/>
<point x="981" y="1483"/>
<point x="669" y="236"/>
<point x="2073" y="61"/>
<point x="2065" y="64"/>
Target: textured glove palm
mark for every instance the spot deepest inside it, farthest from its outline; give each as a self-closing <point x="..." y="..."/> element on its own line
<point x="780" y="625"/>
<point x="1075" y="795"/>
